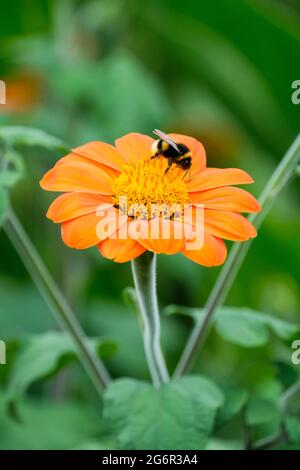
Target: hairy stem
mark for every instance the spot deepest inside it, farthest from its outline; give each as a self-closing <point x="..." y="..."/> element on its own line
<point x="278" y="181"/>
<point x="144" y="276"/>
<point x="56" y="301"/>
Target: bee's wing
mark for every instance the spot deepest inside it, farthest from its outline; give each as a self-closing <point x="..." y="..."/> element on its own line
<point x="166" y="138"/>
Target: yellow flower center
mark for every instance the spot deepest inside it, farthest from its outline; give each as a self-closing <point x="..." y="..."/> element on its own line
<point x="143" y="190"/>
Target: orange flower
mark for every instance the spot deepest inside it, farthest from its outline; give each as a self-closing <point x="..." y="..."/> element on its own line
<point x="98" y="175"/>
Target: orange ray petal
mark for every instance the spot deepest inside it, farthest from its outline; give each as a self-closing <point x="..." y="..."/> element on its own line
<point x="228" y="225"/>
<point x="134" y="146"/>
<point x="79" y="174"/>
<point x="158" y="235"/>
<point x="213" y="252"/>
<point x="71" y="205"/>
<point x="75" y="159"/>
<point x="120" y="250"/>
<point x="198" y="151"/>
<point x="102" y="153"/>
<point x="215" y="177"/>
<point x="226" y="198"/>
<point x="90" y="229"/>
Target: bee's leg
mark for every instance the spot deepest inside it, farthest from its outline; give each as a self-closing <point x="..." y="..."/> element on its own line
<point x="185" y="174"/>
<point x="155" y="156"/>
<point x="188" y="170"/>
<point x="170" y="162"/>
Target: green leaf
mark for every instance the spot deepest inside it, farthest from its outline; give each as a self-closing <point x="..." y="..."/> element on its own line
<point x="250" y="328"/>
<point x="55" y="424"/>
<point x="292" y="428"/>
<point x="3" y="205"/>
<point x="9" y="178"/>
<point x="235" y="400"/>
<point x="260" y="411"/>
<point x="28" y="136"/>
<point x="178" y="415"/>
<point x="14" y="168"/>
<point x="242" y="326"/>
<point x="43" y="355"/>
<point x="281" y="328"/>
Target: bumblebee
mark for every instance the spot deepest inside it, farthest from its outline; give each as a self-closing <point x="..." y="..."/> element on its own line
<point x="176" y="153"/>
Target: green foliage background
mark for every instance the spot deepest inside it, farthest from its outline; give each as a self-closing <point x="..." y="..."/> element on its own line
<point x="221" y="71"/>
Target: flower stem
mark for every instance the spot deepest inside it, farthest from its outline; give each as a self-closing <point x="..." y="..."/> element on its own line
<point x="56" y="301"/>
<point x="282" y="175"/>
<point x="144" y="276"/>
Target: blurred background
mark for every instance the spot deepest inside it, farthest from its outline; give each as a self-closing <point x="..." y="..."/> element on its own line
<point x="94" y="70"/>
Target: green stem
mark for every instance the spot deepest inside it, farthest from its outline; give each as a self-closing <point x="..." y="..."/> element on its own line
<point x="144" y="276"/>
<point x="278" y="181"/>
<point x="49" y="290"/>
